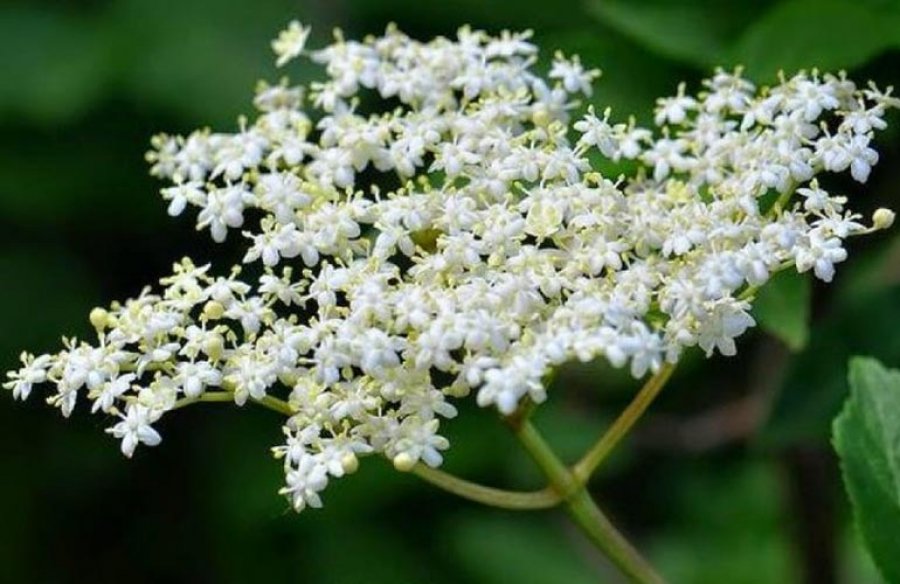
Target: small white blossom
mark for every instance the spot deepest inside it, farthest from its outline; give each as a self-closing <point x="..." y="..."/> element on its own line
<point x="135" y="429"/>
<point x="34" y="371"/>
<point x="290" y="42"/>
<point x="572" y="74"/>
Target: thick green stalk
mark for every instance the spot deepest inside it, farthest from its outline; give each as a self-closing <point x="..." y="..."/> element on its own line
<point x="583" y="511"/>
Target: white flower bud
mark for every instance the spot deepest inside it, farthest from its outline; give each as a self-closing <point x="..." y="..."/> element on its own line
<point x="213" y="310"/>
<point x="214" y="347"/>
<point x="404" y="462"/>
<point x="100" y="319"/>
<point x="350" y="463"/>
<point x="882" y="218"/>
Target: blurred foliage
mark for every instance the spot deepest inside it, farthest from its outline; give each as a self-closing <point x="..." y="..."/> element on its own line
<point x="862" y="323"/>
<point x="87" y="82"/>
<point x="782" y="308"/>
<point x="763" y="36"/>
<point x="732" y="515"/>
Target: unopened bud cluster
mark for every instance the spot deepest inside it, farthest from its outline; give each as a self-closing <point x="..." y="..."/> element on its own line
<point x="426" y="223"/>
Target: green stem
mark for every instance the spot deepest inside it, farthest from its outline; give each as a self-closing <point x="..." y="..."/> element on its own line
<point x="783" y="199"/>
<point x="585" y="467"/>
<point x="209" y="396"/>
<point x="276" y="405"/>
<point x="750" y="291"/>
<point x="583" y="511"/>
<point x="501" y="498"/>
<point x="272" y="403"/>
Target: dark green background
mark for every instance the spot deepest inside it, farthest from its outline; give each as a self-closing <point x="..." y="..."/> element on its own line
<point x="729" y="479"/>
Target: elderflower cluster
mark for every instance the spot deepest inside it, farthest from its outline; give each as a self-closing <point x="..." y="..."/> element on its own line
<point x="427" y="223"/>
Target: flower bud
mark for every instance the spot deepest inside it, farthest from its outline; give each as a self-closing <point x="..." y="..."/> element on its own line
<point x="404" y="462"/>
<point x="541" y="117"/>
<point x="214" y="346"/>
<point x="882" y="218"/>
<point x="100" y="318"/>
<point x="213" y="310"/>
<point x="350" y="463"/>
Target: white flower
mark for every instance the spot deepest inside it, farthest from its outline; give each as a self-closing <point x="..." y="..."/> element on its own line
<point x="504" y="387"/>
<point x="224" y="208"/>
<point x="597" y="132"/>
<point x="290" y="42"/>
<point x="111" y="391"/>
<point x="418" y="440"/>
<point x="862" y="158"/>
<point x="183" y="194"/>
<point x="195" y="377"/>
<point x="821" y="253"/>
<point x="572" y="74"/>
<point x="815" y="198"/>
<point x="727" y="321"/>
<point x="674" y="110"/>
<point x="282" y="194"/>
<point x="34" y="371"/>
<point x="305" y="482"/>
<point x="135" y="429"/>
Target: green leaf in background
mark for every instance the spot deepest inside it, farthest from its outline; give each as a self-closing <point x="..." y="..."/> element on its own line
<point x="425" y="19"/>
<point x="697" y="32"/>
<point x="726" y="524"/>
<point x="828" y="34"/>
<point x="369" y="553"/>
<point x="58" y="67"/>
<point x="51" y="287"/>
<point x="782" y="308"/>
<point x="877" y="269"/>
<point x="497" y="549"/>
<point x="764" y="36"/>
<point x="620" y="88"/>
<point x="867" y="439"/>
<point x="814" y="385"/>
<point x="206" y="61"/>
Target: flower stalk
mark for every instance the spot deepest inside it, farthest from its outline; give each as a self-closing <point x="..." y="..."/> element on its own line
<point x="501" y="498"/>
<point x="585" y="467"/>
<point x="583" y="511"/>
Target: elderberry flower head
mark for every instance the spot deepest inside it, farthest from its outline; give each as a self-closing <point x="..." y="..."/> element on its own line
<point x="426" y="223"/>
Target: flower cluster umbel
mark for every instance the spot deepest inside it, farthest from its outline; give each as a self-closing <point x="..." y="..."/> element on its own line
<point x="426" y="223"/>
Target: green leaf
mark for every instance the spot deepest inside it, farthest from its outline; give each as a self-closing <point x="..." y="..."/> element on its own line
<point x="782" y="308"/>
<point x="696" y="32"/>
<point x="866" y="436"/>
<point x="828" y="34"/>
